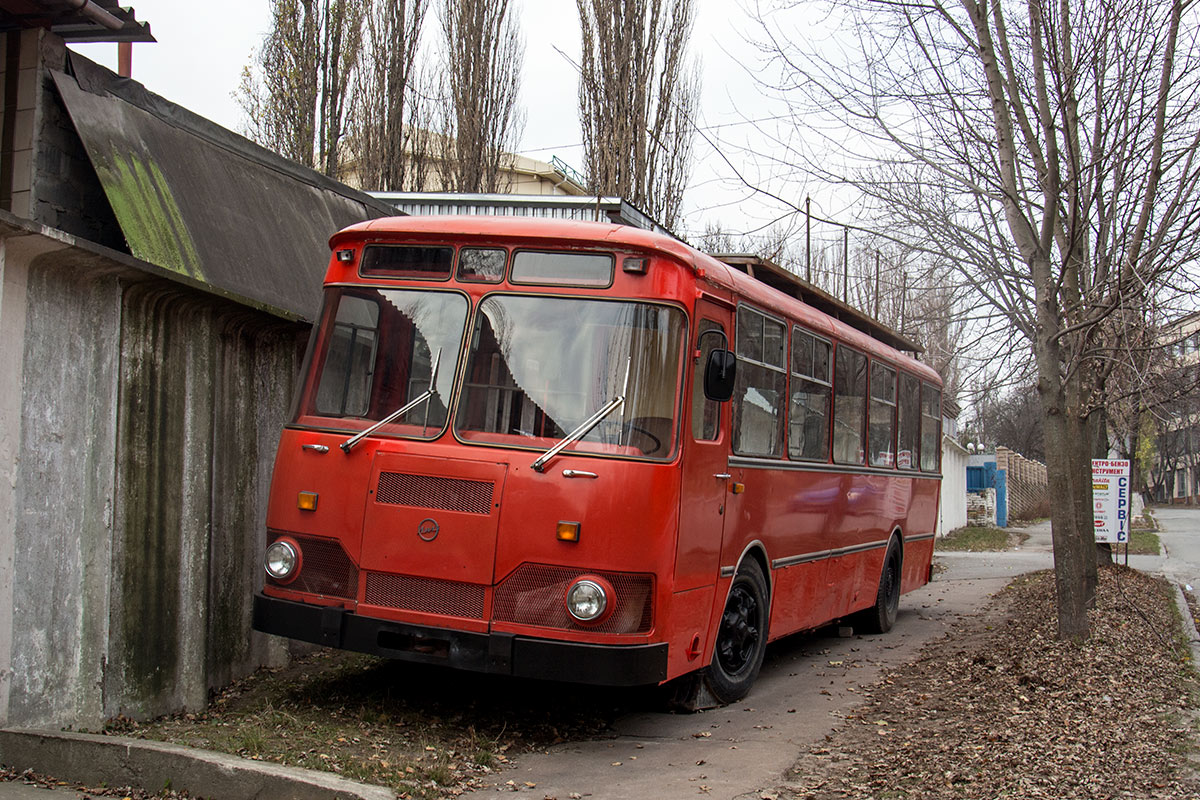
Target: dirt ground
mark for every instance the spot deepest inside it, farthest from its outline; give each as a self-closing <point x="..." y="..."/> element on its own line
<point x="996" y="708"/>
<point x="1001" y="709"/>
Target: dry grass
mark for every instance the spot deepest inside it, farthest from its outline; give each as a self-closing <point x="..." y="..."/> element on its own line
<point x="423" y="731"/>
<point x="978" y="539"/>
<point x="1002" y="709"/>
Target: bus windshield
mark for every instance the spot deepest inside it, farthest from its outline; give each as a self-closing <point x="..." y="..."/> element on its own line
<point x="539" y="366"/>
<point x="377" y="355"/>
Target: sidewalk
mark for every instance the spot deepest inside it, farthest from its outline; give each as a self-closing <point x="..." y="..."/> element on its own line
<point x="115" y="761"/>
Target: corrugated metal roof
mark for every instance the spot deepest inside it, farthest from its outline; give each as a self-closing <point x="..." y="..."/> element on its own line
<point x="204" y="202"/>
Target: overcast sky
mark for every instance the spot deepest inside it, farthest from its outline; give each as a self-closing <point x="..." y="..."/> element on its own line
<point x="198" y="59"/>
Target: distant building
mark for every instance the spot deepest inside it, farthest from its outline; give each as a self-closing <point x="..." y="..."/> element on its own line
<point x="1175" y="475"/>
<point x="952" y="510"/>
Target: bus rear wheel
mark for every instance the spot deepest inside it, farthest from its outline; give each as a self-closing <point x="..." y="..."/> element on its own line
<point x="880" y="617"/>
<point x="742" y="636"/>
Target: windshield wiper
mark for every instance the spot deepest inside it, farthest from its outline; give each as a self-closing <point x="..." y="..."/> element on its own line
<point x="416" y="401"/>
<point x="586" y="426"/>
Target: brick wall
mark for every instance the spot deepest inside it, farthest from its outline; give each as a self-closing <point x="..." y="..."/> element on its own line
<point x="1027" y="487"/>
<point x="981" y="508"/>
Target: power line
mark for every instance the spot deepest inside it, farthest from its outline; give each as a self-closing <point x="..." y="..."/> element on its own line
<point x="714" y="127"/>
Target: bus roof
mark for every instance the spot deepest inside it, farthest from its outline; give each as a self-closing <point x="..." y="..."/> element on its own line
<point x="746" y="275"/>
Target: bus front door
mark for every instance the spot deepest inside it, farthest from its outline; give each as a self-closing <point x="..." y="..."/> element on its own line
<point x="705" y="464"/>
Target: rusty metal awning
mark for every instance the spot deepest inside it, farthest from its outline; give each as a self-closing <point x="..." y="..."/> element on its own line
<point x="204" y="202"/>
<point x="791" y="284"/>
<point x="76" y="20"/>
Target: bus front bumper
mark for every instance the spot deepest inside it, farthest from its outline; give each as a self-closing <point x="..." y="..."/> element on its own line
<point x="498" y="653"/>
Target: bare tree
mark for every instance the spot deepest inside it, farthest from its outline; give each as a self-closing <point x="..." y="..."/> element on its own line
<point x="481" y="60"/>
<point x="1012" y="420"/>
<point x="294" y="92"/>
<point x="637" y="99"/>
<point x="391" y="116"/>
<point x="1046" y="151"/>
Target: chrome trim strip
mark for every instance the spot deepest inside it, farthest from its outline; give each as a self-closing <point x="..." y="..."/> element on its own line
<point x="791" y="561"/>
<point x="920" y="537"/>
<point x="749" y="462"/>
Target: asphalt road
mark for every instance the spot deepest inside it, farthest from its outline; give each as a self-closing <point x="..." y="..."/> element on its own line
<point x="807" y="684"/>
<point x="1180" y="536"/>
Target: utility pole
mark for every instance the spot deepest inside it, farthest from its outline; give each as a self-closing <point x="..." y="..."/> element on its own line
<point x="845" y="265"/>
<point x="808" y="239"/>
<point x="876" y="283"/>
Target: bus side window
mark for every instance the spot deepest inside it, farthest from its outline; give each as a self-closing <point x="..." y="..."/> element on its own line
<point x="345" y="388"/>
<point x="761" y="392"/>
<point x="910" y="422"/>
<point x="808" y="417"/>
<point x="706" y="414"/>
<point x="931" y="428"/>
<point x="881" y="423"/>
<point x="849" y="406"/>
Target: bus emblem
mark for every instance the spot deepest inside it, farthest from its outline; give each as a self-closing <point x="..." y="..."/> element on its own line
<point x="428" y="529"/>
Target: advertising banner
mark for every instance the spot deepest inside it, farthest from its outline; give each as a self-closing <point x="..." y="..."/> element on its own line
<point x="1110" y="500"/>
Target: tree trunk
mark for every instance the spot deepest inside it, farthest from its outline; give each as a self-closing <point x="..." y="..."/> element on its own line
<point x="1070" y="557"/>
<point x="1069" y="482"/>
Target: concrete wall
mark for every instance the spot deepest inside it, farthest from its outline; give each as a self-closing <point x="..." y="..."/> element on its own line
<point x="138" y="421"/>
<point x="952" y="512"/>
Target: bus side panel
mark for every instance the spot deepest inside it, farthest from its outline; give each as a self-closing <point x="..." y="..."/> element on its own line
<point x="790" y="512"/>
<point x="628" y="515"/>
<point x="922" y="521"/>
<point x="917" y="558"/>
<point x="799" y="598"/>
<point x="854" y="581"/>
<point x="688" y="628"/>
<point x="338" y="481"/>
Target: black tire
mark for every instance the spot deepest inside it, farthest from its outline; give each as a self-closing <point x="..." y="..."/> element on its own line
<point x="880" y="617"/>
<point x="741" y="637"/>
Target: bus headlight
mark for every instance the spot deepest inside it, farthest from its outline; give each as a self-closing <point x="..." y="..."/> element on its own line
<point x="283" y="560"/>
<point x="587" y="599"/>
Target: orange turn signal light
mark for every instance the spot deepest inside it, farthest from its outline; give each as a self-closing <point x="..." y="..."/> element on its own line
<point x="568" y="531"/>
<point x="737" y="488"/>
<point x="307" y="501"/>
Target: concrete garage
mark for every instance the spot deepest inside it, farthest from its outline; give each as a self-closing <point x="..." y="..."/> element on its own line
<point x="159" y="275"/>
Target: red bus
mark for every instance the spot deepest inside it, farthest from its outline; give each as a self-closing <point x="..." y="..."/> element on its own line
<point x="587" y="452"/>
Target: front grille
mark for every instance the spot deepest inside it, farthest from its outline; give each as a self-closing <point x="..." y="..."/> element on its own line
<point x="430" y="595"/>
<point x="325" y="569"/>
<point x="535" y="595"/>
<point x="429" y="491"/>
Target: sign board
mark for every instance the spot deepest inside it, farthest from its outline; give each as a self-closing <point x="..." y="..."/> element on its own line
<point x="1110" y="500"/>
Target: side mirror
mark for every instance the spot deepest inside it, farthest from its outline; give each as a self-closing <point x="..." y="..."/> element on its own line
<point x="719" y="375"/>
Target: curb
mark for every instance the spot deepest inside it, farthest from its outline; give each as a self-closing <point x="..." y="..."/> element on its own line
<point x="120" y="761"/>
<point x="1189" y="626"/>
